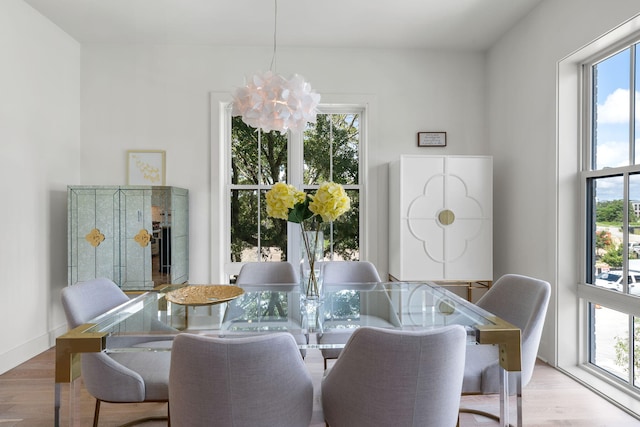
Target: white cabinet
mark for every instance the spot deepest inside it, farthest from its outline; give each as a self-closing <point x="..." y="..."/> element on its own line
<point x="440" y="218"/>
<point x="137" y="236"/>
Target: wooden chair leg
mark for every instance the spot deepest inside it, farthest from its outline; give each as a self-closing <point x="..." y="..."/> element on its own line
<point x="96" y="413"/>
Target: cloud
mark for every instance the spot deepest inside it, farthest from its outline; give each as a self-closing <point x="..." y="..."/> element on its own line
<point x="613" y="154"/>
<point x="616" y="107"/>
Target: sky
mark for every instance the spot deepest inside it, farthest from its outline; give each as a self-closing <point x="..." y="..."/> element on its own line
<point x="612" y="129"/>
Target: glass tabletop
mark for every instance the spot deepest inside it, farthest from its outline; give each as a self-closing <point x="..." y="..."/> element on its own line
<point x="277" y="308"/>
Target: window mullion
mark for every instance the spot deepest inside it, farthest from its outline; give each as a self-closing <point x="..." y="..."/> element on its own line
<point x="259" y="201"/>
<point x="630" y="366"/>
<point x="632" y="104"/>
<point x="295" y="175"/>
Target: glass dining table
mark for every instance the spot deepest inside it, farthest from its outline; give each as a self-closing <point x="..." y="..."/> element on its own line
<point x="276" y="308"/>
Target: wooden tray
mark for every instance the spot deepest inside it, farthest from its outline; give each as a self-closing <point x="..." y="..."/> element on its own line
<point x="204" y="294"/>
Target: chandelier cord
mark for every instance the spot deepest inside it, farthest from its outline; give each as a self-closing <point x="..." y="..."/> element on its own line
<point x="275" y="30"/>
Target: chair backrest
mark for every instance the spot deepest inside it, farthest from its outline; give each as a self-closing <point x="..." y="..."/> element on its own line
<point x="391" y="377"/>
<point x="86" y="300"/>
<point x="337" y="272"/>
<point x="261" y="273"/>
<point x="523" y="302"/>
<point x="249" y="381"/>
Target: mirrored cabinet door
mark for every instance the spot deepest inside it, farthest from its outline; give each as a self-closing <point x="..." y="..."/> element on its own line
<point x="137" y="236"/>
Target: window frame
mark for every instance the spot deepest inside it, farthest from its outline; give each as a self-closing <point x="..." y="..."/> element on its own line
<point x="589" y="294"/>
<point x="295" y="177"/>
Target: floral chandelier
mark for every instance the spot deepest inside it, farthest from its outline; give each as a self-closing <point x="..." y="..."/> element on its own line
<point x="270" y="102"/>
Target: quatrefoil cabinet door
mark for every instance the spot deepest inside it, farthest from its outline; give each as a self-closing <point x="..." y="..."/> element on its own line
<point x="440" y="218"/>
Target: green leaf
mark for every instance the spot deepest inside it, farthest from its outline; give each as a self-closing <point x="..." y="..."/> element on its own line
<point x="300" y="212"/>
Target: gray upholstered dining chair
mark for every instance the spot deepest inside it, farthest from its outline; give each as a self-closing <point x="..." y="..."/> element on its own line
<point x="118" y="378"/>
<point x="342" y="272"/>
<point x="523" y="302"/>
<point x="246" y="381"/>
<point x="270" y="276"/>
<point x="266" y="273"/>
<point x="335" y="275"/>
<point x="387" y="377"/>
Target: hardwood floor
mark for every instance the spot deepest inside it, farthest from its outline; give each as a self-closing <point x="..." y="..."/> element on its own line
<point x="551" y="399"/>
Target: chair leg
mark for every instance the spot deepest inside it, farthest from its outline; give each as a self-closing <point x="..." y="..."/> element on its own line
<point x="325" y="367"/>
<point x="96" y="413"/>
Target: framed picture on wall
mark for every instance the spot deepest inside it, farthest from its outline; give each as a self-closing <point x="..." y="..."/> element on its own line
<point x="146" y="167"/>
<point x="432" y="139"/>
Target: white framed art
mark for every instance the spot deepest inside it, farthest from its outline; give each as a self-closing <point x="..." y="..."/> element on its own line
<point x="146" y="167"/>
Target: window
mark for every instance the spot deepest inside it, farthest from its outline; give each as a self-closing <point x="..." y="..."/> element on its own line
<point x="611" y="182"/>
<point x="329" y="150"/>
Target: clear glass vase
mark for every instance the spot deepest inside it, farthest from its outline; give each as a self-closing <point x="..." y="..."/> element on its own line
<point x="311" y="267"/>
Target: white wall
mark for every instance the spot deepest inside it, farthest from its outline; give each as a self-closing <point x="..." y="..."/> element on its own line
<point x="39" y="153"/>
<point x="157" y="97"/>
<point x="522" y="133"/>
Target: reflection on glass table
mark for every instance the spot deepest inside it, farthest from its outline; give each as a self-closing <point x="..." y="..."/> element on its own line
<point x="277" y="308"/>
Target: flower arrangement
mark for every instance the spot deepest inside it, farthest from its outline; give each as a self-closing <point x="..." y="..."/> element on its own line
<point x="286" y="202"/>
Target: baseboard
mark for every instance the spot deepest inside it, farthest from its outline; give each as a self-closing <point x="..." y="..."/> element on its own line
<point x="18" y="355"/>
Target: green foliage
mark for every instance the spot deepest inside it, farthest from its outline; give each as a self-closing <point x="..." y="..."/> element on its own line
<point x="613" y="257"/>
<point x="603" y="239"/>
<point x="621" y="347"/>
<point x="611" y="211"/>
<point x="344" y="129"/>
<point x="301" y="212"/>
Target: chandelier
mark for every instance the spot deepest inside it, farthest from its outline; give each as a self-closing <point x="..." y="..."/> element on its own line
<point x="271" y="102"/>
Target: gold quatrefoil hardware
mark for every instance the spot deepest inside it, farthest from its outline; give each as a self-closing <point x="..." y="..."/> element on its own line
<point x="95" y="237"/>
<point x="143" y="237"/>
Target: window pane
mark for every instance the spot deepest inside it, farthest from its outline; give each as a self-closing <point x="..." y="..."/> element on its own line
<point x="346" y="231"/>
<point x="245" y="245"/>
<point x="273" y="157"/>
<point x="274" y="234"/>
<point x="245" y="169"/>
<point x="610" y="337"/>
<point x="244" y="153"/>
<point x="606" y="248"/>
<point x="636" y="352"/>
<point x="346" y="135"/>
<point x="317" y="151"/>
<point x="244" y="226"/>
<point x="331" y="149"/>
<point x="611" y="112"/>
<point x="633" y="235"/>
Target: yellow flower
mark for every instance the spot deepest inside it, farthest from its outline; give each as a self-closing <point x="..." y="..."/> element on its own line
<point x="281" y="198"/>
<point x="330" y="201"/>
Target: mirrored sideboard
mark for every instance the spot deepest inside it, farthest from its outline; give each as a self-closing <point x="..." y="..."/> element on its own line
<point x="137" y="236"/>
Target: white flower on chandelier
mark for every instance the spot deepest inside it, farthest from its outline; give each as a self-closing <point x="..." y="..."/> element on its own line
<point x="271" y="102"/>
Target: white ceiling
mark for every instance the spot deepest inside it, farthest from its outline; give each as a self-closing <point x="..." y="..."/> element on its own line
<point x="434" y="24"/>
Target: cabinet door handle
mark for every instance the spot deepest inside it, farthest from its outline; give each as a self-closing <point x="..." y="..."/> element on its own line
<point x="95" y="237"/>
<point x="143" y="238"/>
